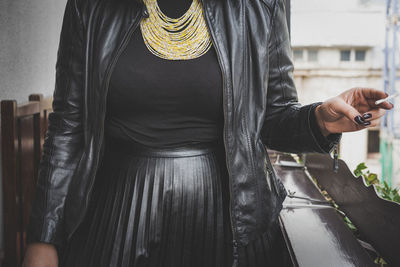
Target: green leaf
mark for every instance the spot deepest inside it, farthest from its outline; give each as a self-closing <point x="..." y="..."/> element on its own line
<point x="372" y="178"/>
<point x="360" y="167"/>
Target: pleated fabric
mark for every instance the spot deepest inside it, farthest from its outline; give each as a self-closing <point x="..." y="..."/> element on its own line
<point x="160" y="207"/>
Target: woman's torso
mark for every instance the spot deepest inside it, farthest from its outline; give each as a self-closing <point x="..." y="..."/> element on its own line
<point x="161" y="102"/>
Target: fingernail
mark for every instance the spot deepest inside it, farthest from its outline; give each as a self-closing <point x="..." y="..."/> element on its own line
<point x="367" y="116"/>
<point x="359" y="119"/>
<point x="367" y="123"/>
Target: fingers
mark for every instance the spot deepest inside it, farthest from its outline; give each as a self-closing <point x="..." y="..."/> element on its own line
<point x="373" y="123"/>
<point x="372" y="117"/>
<point x="350" y="112"/>
<point x="384" y="105"/>
<point x="373" y="114"/>
<point x="372" y="95"/>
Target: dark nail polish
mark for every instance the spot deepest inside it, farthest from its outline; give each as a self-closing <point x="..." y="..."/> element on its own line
<point x="367" y="116"/>
<point x="359" y="119"/>
<point x="367" y="123"/>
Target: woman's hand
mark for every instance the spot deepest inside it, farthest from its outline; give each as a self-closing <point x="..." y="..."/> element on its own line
<point x="352" y="110"/>
<point x="40" y="255"/>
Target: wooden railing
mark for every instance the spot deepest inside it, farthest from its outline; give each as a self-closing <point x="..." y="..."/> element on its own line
<point x="23" y="129"/>
<point x="315" y="231"/>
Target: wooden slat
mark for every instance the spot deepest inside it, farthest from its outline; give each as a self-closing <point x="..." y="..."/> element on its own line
<point x="27" y="168"/>
<point x="27" y="109"/>
<point x="45" y="103"/>
<point x="9" y="151"/>
<point x="1" y="258"/>
<point x="316" y="235"/>
<point x="41" y="125"/>
<point x="377" y="220"/>
<point x="23" y="128"/>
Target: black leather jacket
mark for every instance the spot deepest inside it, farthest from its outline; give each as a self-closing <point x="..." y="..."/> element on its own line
<point x="259" y="99"/>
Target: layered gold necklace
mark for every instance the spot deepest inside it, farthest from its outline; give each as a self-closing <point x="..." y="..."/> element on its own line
<point x="186" y="37"/>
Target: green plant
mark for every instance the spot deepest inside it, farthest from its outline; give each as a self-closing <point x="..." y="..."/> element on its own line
<point x="383" y="188"/>
<point x="389" y="193"/>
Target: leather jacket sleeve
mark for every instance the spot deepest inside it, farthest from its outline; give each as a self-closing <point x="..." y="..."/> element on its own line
<point x="324" y="142"/>
<point x="287" y="124"/>
<point x="63" y="142"/>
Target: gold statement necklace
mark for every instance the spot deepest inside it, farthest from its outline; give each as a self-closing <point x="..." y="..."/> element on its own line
<point x="186" y="37"/>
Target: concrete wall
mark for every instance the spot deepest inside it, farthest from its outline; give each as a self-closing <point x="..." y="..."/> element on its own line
<point x="30" y="32"/>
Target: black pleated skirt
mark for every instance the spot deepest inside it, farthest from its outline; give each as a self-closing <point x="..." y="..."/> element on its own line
<point x="164" y="207"/>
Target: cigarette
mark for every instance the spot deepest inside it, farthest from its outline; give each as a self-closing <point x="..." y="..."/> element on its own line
<point x="380" y="101"/>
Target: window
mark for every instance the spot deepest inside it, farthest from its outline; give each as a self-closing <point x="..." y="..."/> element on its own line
<point x="373" y="141"/>
<point x="360" y="55"/>
<point x="298" y="55"/>
<point x="345" y="55"/>
<point x="313" y="55"/>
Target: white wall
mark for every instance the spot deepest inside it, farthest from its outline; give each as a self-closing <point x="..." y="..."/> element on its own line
<point x="29" y="40"/>
<point x="338" y="23"/>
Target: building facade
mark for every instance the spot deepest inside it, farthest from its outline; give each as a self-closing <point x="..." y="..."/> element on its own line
<point x="338" y="45"/>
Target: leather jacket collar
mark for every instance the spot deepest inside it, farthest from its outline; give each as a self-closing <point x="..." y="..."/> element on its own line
<point x="259" y="97"/>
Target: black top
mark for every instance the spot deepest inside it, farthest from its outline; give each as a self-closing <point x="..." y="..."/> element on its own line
<point x="164" y="103"/>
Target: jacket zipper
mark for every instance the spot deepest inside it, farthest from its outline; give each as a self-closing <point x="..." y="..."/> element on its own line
<point x="270" y="171"/>
<point x="245" y="59"/>
<point x="235" y="247"/>
<point x="122" y="46"/>
<point x="335" y="158"/>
